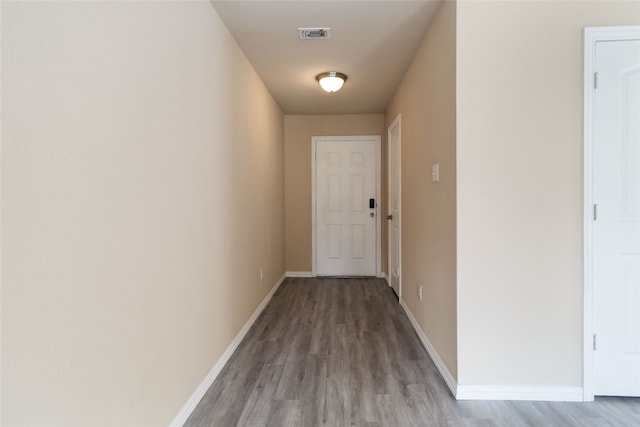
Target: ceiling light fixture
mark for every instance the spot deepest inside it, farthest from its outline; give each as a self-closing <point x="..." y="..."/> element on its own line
<point x="331" y="81"/>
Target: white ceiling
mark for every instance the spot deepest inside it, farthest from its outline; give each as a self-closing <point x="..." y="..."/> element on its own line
<point x="372" y="42"/>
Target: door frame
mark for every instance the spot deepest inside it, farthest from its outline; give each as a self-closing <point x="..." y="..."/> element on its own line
<point x="397" y="122"/>
<point x="315" y="140"/>
<point x="592" y="35"/>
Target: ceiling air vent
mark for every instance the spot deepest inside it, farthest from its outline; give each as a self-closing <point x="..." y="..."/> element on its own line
<point x="314" y="33"/>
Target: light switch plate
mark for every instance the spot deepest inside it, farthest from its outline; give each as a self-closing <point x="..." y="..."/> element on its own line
<point x="435" y="172"/>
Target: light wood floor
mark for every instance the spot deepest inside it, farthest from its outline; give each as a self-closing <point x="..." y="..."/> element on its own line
<point x="341" y="352"/>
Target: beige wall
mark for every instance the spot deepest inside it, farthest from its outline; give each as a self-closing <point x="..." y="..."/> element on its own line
<point x="426" y="99"/>
<point x="520" y="187"/>
<point x="298" y="131"/>
<point x="142" y="190"/>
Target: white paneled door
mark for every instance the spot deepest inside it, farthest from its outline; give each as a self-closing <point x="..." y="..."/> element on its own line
<point x="393" y="218"/>
<point x="616" y="218"/>
<point x="346" y="206"/>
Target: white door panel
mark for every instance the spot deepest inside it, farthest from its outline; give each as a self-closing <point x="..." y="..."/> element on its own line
<point x="616" y="226"/>
<point x="346" y="226"/>
<point x="394" y="207"/>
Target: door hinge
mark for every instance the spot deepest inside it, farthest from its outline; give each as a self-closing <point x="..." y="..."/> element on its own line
<point x="595" y="211"/>
<point x="595" y="80"/>
<point x="594" y="342"/>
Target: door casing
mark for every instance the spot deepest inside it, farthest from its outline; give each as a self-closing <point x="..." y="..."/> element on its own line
<point x="372" y="139"/>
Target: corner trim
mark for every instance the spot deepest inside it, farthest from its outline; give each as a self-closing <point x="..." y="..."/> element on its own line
<point x="197" y="395"/>
<point x="298" y="274"/>
<point x="442" y="368"/>
<point x="520" y="392"/>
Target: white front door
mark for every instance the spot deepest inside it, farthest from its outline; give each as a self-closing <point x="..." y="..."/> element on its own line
<point x="346" y="205"/>
<point x="616" y="222"/>
<point x="394" y="206"/>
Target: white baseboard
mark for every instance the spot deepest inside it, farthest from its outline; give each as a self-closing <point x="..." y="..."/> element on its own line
<point x="310" y="274"/>
<point x="494" y="392"/>
<point x="517" y="392"/>
<point x="442" y="368"/>
<point x="298" y="274"/>
<point x="197" y="395"/>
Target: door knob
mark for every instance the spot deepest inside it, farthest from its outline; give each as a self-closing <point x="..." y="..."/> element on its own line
<point x="389" y="216"/>
<point x="372" y="214"/>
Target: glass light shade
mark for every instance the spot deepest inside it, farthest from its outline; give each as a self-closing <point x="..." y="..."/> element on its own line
<point x="331" y="81"/>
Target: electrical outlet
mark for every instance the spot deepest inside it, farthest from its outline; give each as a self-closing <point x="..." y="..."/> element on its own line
<point x="419" y="292"/>
<point x="261" y="275"/>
